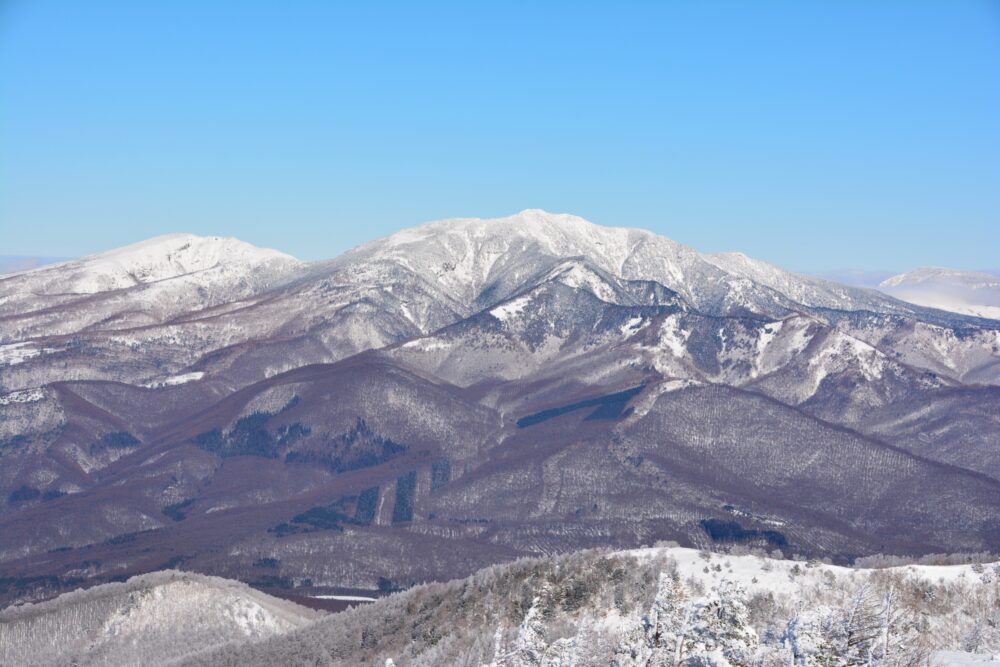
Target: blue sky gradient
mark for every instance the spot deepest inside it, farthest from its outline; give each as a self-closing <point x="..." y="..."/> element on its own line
<point x="816" y="135"/>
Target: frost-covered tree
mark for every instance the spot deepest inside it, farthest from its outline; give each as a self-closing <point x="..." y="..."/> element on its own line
<point x="669" y="620"/>
<point x="681" y="630"/>
<point x="658" y="637"/>
<point x="871" y="627"/>
<point x="530" y="646"/>
<point x="724" y="624"/>
<point x="633" y="649"/>
<point x="815" y="637"/>
<point x="560" y="653"/>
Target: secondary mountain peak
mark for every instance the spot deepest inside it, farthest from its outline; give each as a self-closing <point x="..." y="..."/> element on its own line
<point x="141" y="283"/>
<point x="170" y="256"/>
<point x="154" y="260"/>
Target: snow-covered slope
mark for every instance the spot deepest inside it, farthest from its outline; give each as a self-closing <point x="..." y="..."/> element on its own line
<point x="489" y="264"/>
<point x="152" y="619"/>
<point x="966" y="292"/>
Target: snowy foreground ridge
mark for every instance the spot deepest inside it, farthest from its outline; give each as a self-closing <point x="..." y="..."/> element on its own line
<point x="658" y="606"/>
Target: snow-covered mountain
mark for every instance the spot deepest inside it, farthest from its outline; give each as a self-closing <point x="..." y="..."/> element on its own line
<point x="156" y="260"/>
<point x="471" y="391"/>
<point x="481" y="261"/>
<point x="144" y="283"/>
<point x="966" y="292"/>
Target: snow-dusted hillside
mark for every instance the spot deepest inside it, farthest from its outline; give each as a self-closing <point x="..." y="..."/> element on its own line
<point x="156" y="619"/>
<point x="480" y="264"/>
<point x="966" y="292"/>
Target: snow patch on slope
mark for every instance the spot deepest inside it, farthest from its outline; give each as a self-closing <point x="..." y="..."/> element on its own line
<point x="672" y="337"/>
<point x="840" y="352"/>
<point x="17" y="353"/>
<point x="634" y="325"/>
<point x="579" y="276"/>
<point x="22" y="396"/>
<point x="174" y="380"/>
<point x="774" y="575"/>
<point x="510" y="309"/>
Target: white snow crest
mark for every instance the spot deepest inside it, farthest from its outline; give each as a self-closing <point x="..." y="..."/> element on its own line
<point x="841" y="350"/>
<point x="634" y="325"/>
<point x="174" y="380"/>
<point x="17" y="353"/>
<point x="672" y="337"/>
<point x="22" y="396"/>
<point x="505" y="311"/>
<point x="578" y="276"/>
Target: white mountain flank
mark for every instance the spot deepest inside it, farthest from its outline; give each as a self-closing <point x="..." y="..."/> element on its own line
<point x="155" y="618"/>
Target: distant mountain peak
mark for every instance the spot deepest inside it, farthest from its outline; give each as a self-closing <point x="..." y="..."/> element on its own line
<point x="927" y="273"/>
<point x="974" y="293"/>
<point x="189" y="246"/>
<point x="160" y="258"/>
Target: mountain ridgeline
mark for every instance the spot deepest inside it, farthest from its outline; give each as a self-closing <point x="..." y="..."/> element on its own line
<point x="470" y="392"/>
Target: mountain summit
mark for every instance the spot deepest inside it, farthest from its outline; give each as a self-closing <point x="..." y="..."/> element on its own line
<point x="468" y="255"/>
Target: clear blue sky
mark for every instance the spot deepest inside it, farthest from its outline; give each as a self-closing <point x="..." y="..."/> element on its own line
<point x="816" y="135"/>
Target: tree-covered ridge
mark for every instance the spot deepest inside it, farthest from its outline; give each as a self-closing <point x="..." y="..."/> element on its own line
<point x="114" y="440"/>
<point x="611" y="406"/>
<point x="353" y="510"/>
<point x="360" y="447"/>
<point x="249" y="435"/>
